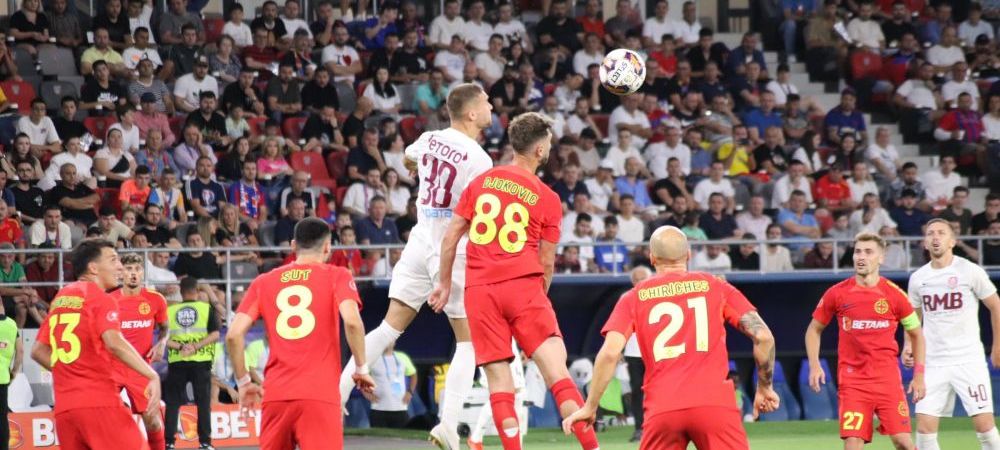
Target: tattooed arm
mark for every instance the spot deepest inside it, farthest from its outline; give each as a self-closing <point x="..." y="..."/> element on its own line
<point x="751" y="324"/>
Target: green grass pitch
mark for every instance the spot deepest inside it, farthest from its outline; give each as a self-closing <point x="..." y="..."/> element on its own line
<point x="799" y="435"/>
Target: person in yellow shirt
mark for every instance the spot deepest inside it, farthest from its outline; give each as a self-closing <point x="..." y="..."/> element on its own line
<point x="101" y="50"/>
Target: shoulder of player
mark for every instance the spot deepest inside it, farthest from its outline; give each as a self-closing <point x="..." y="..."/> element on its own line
<point x="152" y="294"/>
<point x="893" y="287"/>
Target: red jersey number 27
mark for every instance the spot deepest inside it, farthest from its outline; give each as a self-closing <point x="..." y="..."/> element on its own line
<point x="484" y="228"/>
<point x="677" y="316"/>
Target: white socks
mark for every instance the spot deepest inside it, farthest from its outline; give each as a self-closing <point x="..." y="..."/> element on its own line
<point x="457" y="383"/>
<point x="928" y="441"/>
<point x="989" y="440"/>
<point x="485" y="417"/>
<point x="376" y="342"/>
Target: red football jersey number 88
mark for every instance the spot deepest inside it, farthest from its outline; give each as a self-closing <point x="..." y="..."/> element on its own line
<point x="678" y="315"/>
<point x="515" y="218"/>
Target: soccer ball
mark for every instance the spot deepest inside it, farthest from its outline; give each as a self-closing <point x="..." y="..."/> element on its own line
<point x="623" y="71"/>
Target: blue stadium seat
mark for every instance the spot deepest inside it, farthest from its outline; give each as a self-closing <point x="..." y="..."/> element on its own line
<point x="546" y="417"/>
<point x="357" y="411"/>
<point x="817" y="406"/>
<point x="789" y="408"/>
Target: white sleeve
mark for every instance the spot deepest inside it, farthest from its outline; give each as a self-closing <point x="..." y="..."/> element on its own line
<point x="981" y="284"/>
<point x="51" y="135"/>
<point x="350" y="198"/>
<point x="912" y="293"/>
<point x="412" y="151"/>
<point x="905" y="89"/>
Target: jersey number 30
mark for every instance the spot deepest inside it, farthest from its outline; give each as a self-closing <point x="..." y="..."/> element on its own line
<point x="515" y="221"/>
<point x="306" y="322"/>
<point x="59" y="354"/>
<point x="677" y="315"/>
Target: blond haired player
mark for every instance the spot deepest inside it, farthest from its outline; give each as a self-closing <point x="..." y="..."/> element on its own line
<point x="946" y="292"/>
<point x="446" y="161"/>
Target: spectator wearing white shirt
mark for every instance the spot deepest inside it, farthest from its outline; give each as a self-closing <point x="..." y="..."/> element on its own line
<point x="602" y="188"/>
<point x="51" y="229"/>
<point x="511" y="28"/>
<point x="991" y="120"/>
<point x="140" y="14"/>
<point x="711" y="259"/>
<point x="753" y="220"/>
<point x="940" y="183"/>
<point x="383" y="94"/>
<point x="776" y="257"/>
<point x="861" y="182"/>
<point x="630" y="117"/>
<point x="781" y="86"/>
<point x="591" y="53"/>
<point x="443" y="27"/>
<point x="360" y="195"/>
<point x="946" y="53"/>
<point x="74" y="155"/>
<point x="621" y="151"/>
<point x="140" y="50"/>
<point x="340" y="57"/>
<point x="568" y="92"/>
<point x="580" y="118"/>
<point x="490" y="63"/>
<point x="883" y="156"/>
<point x="655" y="27"/>
<point x="866" y="31"/>
<point x="236" y="28"/>
<point x="550" y="109"/>
<point x="958" y="84"/>
<point x="188" y="88"/>
<point x="974" y="26"/>
<point x="795" y="180"/>
<point x="631" y="228"/>
<point x="871" y="217"/>
<point x="475" y="31"/>
<point x="582" y="205"/>
<point x="918" y="92"/>
<point x="582" y="238"/>
<point x="452" y="60"/>
<point x="659" y="153"/>
<point x="715" y="183"/>
<point x="40" y="129"/>
<point x="292" y="20"/>
<point x="688" y="28"/>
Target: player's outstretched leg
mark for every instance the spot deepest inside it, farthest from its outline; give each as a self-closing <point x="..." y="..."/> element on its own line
<point x="397" y="318"/>
<point x="551" y="360"/>
<point x="986" y="431"/>
<point x="458" y="382"/>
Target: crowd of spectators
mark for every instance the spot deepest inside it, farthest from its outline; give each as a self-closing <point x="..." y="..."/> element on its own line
<point x="210" y="132"/>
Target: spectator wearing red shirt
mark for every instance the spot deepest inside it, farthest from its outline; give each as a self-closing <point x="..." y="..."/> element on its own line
<point x="46" y="269"/>
<point x="591" y="19"/>
<point x="10" y="228"/>
<point x="349" y="258"/>
<point x="962" y="130"/>
<point x="134" y="192"/>
<point x="666" y="57"/>
<point x="260" y="55"/>
<point x="831" y="192"/>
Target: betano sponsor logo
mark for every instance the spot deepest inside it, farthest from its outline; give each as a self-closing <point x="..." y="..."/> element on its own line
<point x="855" y="324"/>
<point x="136" y="324"/>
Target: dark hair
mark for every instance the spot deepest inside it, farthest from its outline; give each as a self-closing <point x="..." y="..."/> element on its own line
<point x="188" y="26"/>
<point x="385" y="90"/>
<point x="189" y="285"/>
<point x="797" y="193"/>
<point x="960" y="189"/>
<point x="610" y="220"/>
<point x="142" y="169"/>
<point x="627" y="197"/>
<point x="86" y="252"/>
<point x="67" y="98"/>
<point x="528" y="129"/>
<point x="140" y="30"/>
<point x="583" y="217"/>
<point x="909" y="165"/>
<point x="311" y="233"/>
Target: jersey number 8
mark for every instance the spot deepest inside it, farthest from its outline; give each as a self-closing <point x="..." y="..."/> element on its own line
<point x="515" y="218"/>
<point x="306" y="322"/>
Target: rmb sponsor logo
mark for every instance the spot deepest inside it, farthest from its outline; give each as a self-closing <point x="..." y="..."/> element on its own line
<point x="946" y="301"/>
<point x="881" y="306"/>
<point x="16" y="435"/>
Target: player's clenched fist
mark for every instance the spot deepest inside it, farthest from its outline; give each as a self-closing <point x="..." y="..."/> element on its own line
<point x="364" y="383"/>
<point x="585" y="414"/>
<point x="439" y="298"/>
<point x="817" y="377"/>
<point x="765" y="400"/>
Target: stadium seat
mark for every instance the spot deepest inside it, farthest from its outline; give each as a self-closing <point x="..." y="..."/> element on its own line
<point x="322" y="208"/>
<point x="789" y="408"/>
<point x="98" y="127"/>
<point x="108" y="196"/>
<point x="244" y="270"/>
<point x="546" y="416"/>
<point x="292" y="128"/>
<point x="176" y="126"/>
<point x="357" y="411"/>
<point x="266" y="233"/>
<point x="407" y="93"/>
<point x="313" y="164"/>
<point x="183" y="230"/>
<point x="865" y="64"/>
<point x="53" y="61"/>
<point x="20" y="92"/>
<point x="54" y="91"/>
<point x="336" y="164"/>
<point x="345" y="94"/>
<point x="213" y="28"/>
<point x="256" y="125"/>
<point x="341" y="192"/>
<point x="601" y="120"/>
<point x="24" y="62"/>
<point x="411" y="127"/>
<point x="360" y="88"/>
<point x="817" y="406"/>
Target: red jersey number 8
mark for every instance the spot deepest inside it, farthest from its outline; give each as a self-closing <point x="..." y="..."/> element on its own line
<point x="515" y="221"/>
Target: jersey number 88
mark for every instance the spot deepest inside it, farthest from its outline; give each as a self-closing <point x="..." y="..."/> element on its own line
<point x="515" y="218"/>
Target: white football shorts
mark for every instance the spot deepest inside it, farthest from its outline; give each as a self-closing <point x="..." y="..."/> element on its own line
<point x="970" y="381"/>
<point x="415" y="274"/>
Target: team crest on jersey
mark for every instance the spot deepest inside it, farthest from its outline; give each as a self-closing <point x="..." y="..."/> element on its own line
<point x="952" y="282"/>
<point x="903" y="410"/>
<point x="881" y="306"/>
<point x="112" y="316"/>
<point x="144" y="308"/>
<point x="186" y="317"/>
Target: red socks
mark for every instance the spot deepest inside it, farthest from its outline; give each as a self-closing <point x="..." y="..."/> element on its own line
<point x="156" y="439"/>
<point x="503" y="409"/>
<point x="564" y="391"/>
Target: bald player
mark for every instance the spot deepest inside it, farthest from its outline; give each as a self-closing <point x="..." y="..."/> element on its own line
<point x="675" y="316"/>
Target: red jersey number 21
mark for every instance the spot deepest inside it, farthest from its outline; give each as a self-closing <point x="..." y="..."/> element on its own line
<point x="439" y="182"/>
<point x="677" y="316"/>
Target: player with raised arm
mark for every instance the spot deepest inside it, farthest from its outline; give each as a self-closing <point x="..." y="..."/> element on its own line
<point x="868" y="309"/>
<point x="77" y="342"/>
<point x="678" y="318"/>
<point x="512" y="219"/>
<point x="946" y="292"/>
<point x="300" y="304"/>
<point x="141" y="312"/>
<point x="446" y="162"/>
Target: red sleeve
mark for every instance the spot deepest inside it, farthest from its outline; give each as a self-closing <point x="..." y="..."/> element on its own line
<point x="126" y="192"/>
<point x="250" y="305"/>
<point x="622" y="319"/>
<point x="900" y="301"/>
<point x="817" y="189"/>
<point x="18" y="233"/>
<point x="734" y="303"/>
<point x="553" y="218"/>
<point x="105" y="314"/>
<point x="827" y="307"/>
<point x="161" y="307"/>
<point x="345" y="289"/>
<point x="465" y="208"/>
<point x="948" y="122"/>
<point x="846" y="192"/>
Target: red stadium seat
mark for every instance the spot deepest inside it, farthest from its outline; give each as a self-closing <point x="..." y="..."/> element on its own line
<point x="322" y="209"/>
<point x="98" y="126"/>
<point x="360" y="89"/>
<point x="108" y="196"/>
<point x="213" y="28"/>
<point x="341" y="192"/>
<point x="292" y="128"/>
<point x="20" y="92"/>
<point x="313" y="164"/>
<point x="601" y="120"/>
<point x="336" y="163"/>
<point x="411" y="127"/>
<point x="865" y="64"/>
<point x="256" y="125"/>
<point x="177" y="126"/>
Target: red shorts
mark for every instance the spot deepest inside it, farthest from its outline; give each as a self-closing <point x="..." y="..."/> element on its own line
<point x="305" y="423"/>
<point x="94" y="428"/>
<point x="709" y="427"/>
<point x="859" y="405"/>
<point x="517" y="308"/>
<point x="135" y="387"/>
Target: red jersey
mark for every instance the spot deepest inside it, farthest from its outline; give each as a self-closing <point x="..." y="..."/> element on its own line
<point x="678" y="319"/>
<point x="510" y="210"/>
<point x="139" y="315"/>
<point x="81" y="364"/>
<point x="867" y="318"/>
<point x="11" y="230"/>
<point x="834" y="193"/>
<point x="300" y="305"/>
